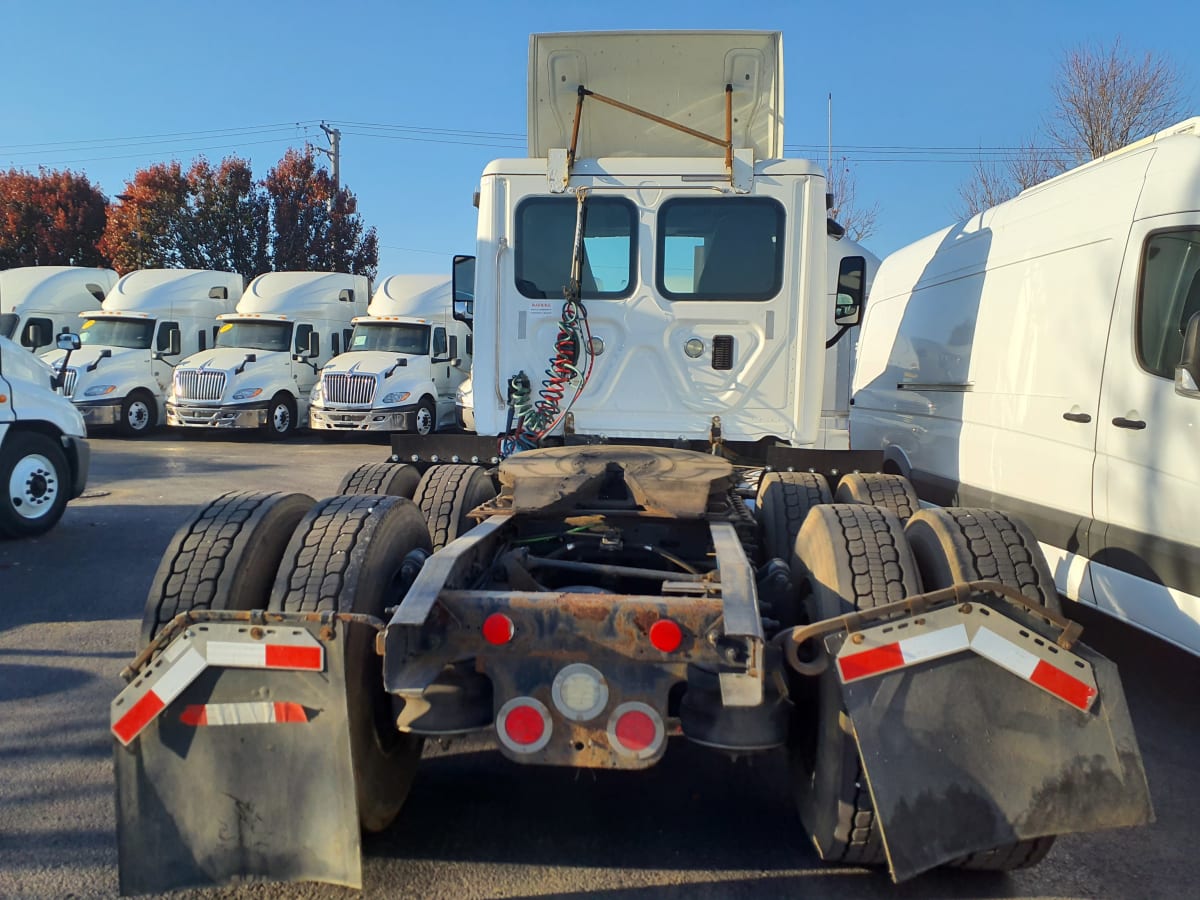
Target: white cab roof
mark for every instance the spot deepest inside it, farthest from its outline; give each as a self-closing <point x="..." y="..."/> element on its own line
<point x="678" y="75"/>
<point x="318" y="295"/>
<point x="51" y="287"/>
<point x="172" y="292"/>
<point x="415" y="296"/>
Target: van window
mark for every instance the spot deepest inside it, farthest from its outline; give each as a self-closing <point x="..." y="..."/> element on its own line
<point x="545" y="237"/>
<point x="1169" y="296"/>
<point x="439" y="342"/>
<point x="720" y="248"/>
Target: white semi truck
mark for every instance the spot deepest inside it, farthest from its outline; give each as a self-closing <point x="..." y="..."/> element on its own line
<point x="602" y="592"/>
<point x="403" y="365"/>
<point x="268" y="353"/>
<point x="44" y="451"/>
<point x="149" y="319"/>
<point x="38" y="303"/>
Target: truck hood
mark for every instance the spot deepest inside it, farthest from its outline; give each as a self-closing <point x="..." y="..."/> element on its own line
<point x="122" y="357"/>
<point x="370" y="362"/>
<point x="229" y="358"/>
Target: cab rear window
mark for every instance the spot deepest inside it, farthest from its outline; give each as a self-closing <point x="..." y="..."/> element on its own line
<point x="545" y="237"/>
<point x="720" y="248"/>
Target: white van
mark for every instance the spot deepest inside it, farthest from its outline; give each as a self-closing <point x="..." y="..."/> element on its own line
<point x="43" y="446"/>
<point x="403" y="366"/>
<point x="1043" y="357"/>
<point x="37" y="303"/>
<point x="122" y="374"/>
<point x="268" y="353"/>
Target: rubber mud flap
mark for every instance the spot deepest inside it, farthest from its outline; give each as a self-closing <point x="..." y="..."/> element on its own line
<point x="201" y="803"/>
<point x="963" y="756"/>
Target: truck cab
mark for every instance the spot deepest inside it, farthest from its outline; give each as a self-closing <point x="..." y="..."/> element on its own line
<point x="43" y="443"/>
<point x="122" y="374"/>
<point x="268" y="353"/>
<point x="37" y="303"/>
<point x="403" y="365"/>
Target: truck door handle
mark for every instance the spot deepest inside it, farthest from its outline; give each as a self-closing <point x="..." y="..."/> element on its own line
<point x="1135" y="424"/>
<point x="1077" y="417"/>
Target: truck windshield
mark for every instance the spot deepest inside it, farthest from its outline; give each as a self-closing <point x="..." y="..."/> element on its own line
<point x="256" y="335"/>
<point x="8" y="325"/>
<point x="397" y="337"/>
<point x="134" y="334"/>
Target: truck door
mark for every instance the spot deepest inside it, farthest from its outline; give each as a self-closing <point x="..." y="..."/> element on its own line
<point x="162" y="369"/>
<point x="1147" y="476"/>
<point x="441" y="363"/>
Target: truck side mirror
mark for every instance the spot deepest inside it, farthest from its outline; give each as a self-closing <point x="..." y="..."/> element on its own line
<point x="463" y="287"/>
<point x="173" y="344"/>
<point x="33" y="335"/>
<point x="68" y="341"/>
<point x="852" y="276"/>
<point x="1187" y="373"/>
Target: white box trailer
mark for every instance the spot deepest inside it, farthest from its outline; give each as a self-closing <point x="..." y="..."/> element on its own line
<point x="268" y="353"/>
<point x="44" y="452"/>
<point x="1041" y="357"/>
<point x="38" y="303"/>
<point x="614" y="593"/>
<point x="150" y="317"/>
<point x="403" y="365"/>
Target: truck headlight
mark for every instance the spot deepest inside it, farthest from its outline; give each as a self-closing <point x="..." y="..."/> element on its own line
<point x="247" y="393"/>
<point x="99" y="390"/>
<point x="395" y="397"/>
<point x="318" y="393"/>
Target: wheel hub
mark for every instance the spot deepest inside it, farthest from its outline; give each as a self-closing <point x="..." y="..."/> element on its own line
<point x="33" y="486"/>
<point x="282" y="418"/>
<point x="139" y="415"/>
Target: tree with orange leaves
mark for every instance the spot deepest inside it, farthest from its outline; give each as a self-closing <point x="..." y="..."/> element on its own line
<point x="49" y="219"/>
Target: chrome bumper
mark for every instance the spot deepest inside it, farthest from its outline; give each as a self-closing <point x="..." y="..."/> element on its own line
<point x="360" y="419"/>
<point x="216" y="416"/>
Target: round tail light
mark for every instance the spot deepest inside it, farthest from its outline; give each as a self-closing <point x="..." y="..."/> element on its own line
<point x="636" y="729"/>
<point x="523" y="725"/>
<point x="580" y="692"/>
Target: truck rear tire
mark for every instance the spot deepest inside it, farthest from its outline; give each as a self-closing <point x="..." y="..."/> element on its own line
<point x="223" y="557"/>
<point x="850" y="556"/>
<point x="139" y="413"/>
<point x="784" y="499"/>
<point x="388" y="478"/>
<point x="956" y="544"/>
<point x="446" y="494"/>
<point x="36" y="481"/>
<point x="281" y="416"/>
<point x="346" y="555"/>
<point x="892" y="492"/>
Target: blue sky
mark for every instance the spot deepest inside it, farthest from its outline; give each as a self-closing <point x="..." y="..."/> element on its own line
<point x="425" y="94"/>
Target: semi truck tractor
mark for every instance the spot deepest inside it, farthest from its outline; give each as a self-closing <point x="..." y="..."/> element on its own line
<point x="268" y="353"/>
<point x="43" y="443"/>
<point x="38" y="303"/>
<point x="608" y="567"/>
<point x="148" y="321"/>
<point x="403" y="366"/>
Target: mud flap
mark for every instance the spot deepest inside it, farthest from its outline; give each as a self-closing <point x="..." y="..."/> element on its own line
<point x="978" y="734"/>
<point x="244" y="775"/>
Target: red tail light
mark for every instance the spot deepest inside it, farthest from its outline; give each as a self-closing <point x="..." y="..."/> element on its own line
<point x="636" y="729"/>
<point x="666" y="636"/>
<point x="523" y="725"/>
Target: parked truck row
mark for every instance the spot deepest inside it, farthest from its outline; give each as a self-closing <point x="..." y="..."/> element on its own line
<point x="639" y="545"/>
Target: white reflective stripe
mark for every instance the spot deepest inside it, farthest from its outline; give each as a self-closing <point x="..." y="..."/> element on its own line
<point x="239" y="713"/>
<point x="237" y="655"/>
<point x="1004" y="653"/>
<point x="942" y="642"/>
<point x="174" y="649"/>
<point x="178" y="676"/>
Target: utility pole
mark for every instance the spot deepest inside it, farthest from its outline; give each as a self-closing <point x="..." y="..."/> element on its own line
<point x="335" y="155"/>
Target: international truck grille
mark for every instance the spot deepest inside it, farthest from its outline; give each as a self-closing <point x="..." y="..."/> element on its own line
<point x="199" y="384"/>
<point x="69" y="382"/>
<point x="343" y="387"/>
<point x="722" y="351"/>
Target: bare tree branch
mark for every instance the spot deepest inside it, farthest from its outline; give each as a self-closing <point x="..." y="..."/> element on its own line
<point x="859" y="221"/>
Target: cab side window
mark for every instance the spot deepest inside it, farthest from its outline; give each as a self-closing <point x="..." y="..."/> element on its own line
<point x="1169" y="296"/>
<point x="439" y="343"/>
<point x="163" y="342"/>
<point x="302" y="339"/>
<point x="37" y="333"/>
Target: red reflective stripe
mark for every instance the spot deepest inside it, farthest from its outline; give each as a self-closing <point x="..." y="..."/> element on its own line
<point x="290" y="712"/>
<point x="281" y="656"/>
<point x="871" y="662"/>
<point x="1060" y="684"/>
<point x="194" y="715"/>
<point x="139" y="716"/>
